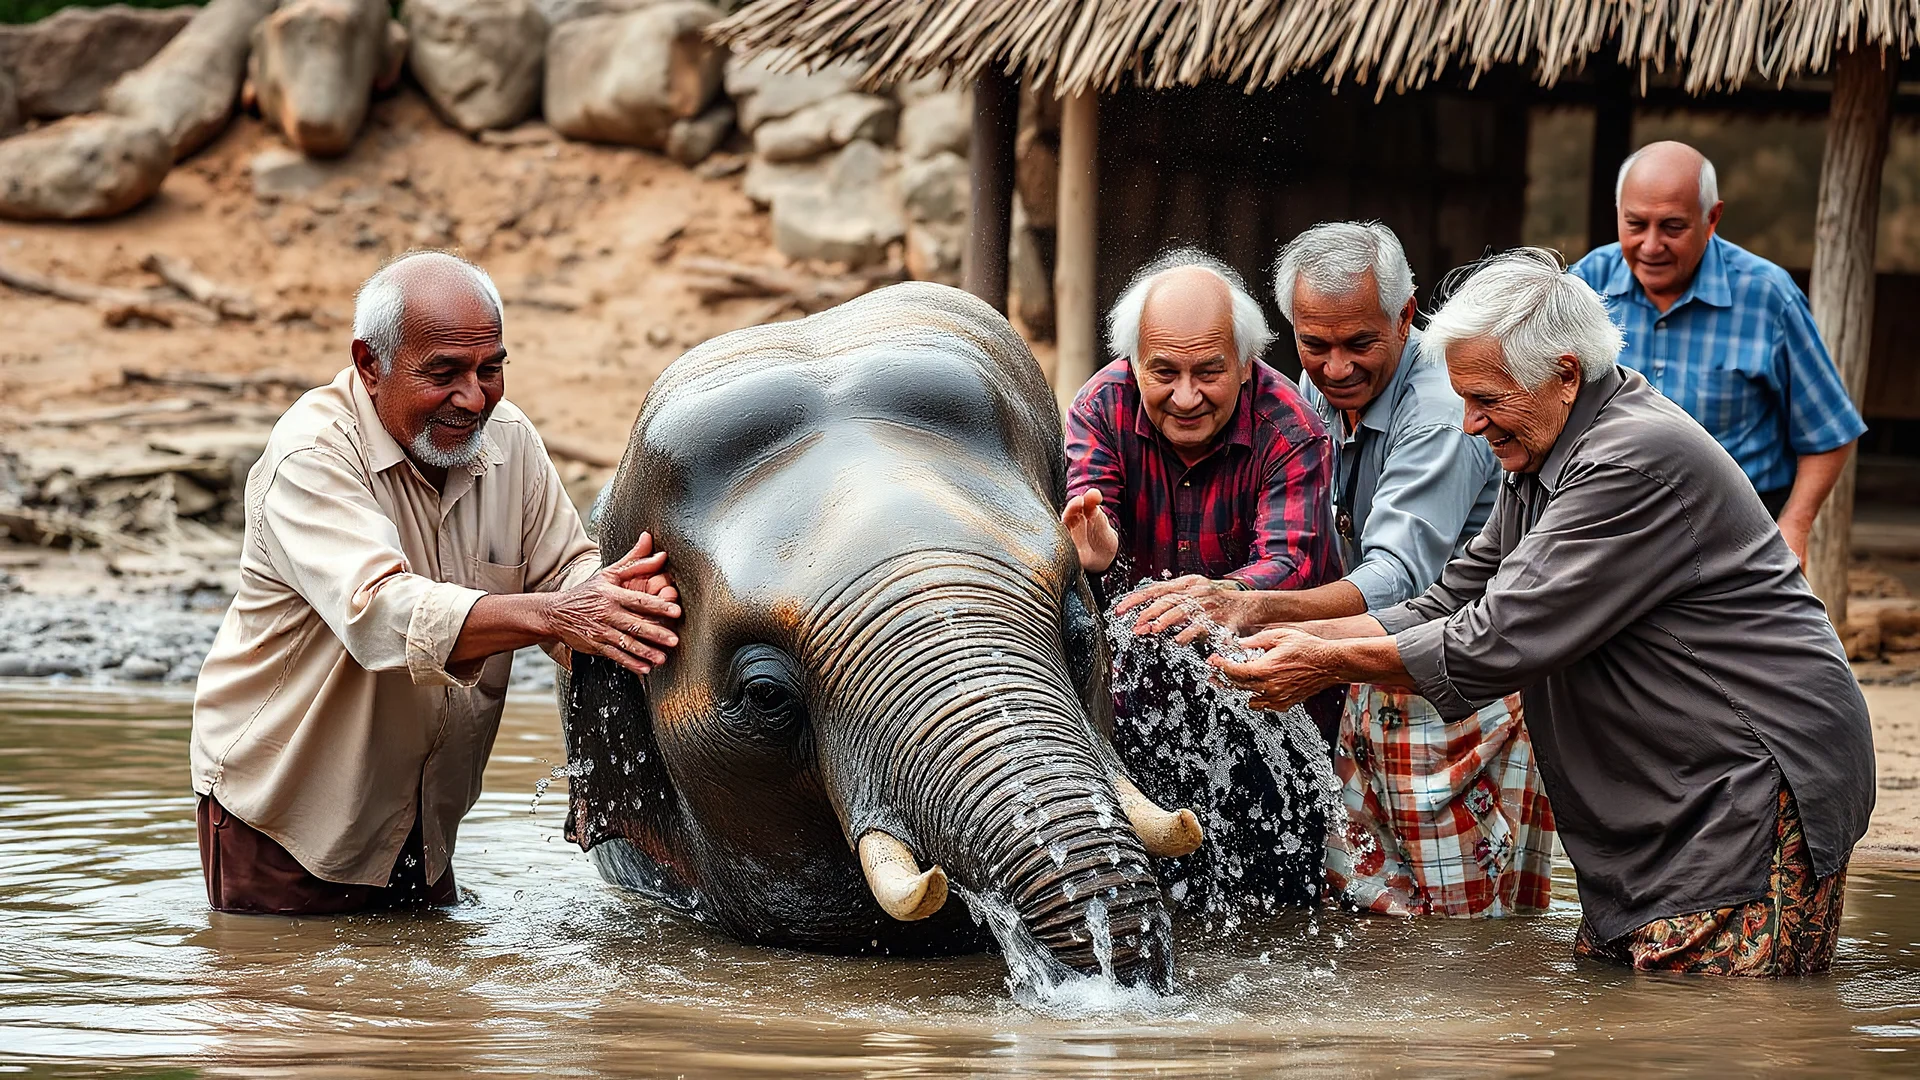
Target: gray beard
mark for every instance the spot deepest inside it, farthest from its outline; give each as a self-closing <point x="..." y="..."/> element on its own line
<point x="460" y="457"/>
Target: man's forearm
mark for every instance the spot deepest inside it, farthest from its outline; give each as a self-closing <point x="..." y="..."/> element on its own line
<point x="1334" y="600"/>
<point x="1373" y="660"/>
<point x="1814" y="477"/>
<point x="502" y="623"/>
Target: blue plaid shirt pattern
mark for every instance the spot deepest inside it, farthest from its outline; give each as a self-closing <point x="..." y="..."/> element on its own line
<point x="1739" y="352"/>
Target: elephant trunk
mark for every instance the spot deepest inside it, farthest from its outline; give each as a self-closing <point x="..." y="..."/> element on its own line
<point x="957" y="744"/>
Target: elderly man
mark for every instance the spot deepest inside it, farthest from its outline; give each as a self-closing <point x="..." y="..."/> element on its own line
<point x="1188" y="456"/>
<point x="1724" y="333"/>
<point x="405" y="533"/>
<point x="1443" y="818"/>
<point x="1705" y="744"/>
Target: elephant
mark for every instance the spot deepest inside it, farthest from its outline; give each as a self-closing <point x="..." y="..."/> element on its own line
<point x="892" y="672"/>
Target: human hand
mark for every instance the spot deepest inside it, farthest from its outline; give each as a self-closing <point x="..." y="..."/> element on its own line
<point x="1795" y="532"/>
<point x="622" y="612"/>
<point x="1294" y="667"/>
<point x="1191" y="605"/>
<point x="1092" y="532"/>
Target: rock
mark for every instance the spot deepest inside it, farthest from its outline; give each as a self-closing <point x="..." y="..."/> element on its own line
<point x="827" y="125"/>
<point x="1030" y="275"/>
<point x="766" y="180"/>
<point x="927" y="86"/>
<point x="43" y="666"/>
<point x="556" y="12"/>
<point x="762" y="94"/>
<point x="14" y="666"/>
<point x="479" y="61"/>
<point x="279" y="172"/>
<point x="626" y="78"/>
<point x="935" y="250"/>
<point x="937" y="189"/>
<point x="1036" y="178"/>
<point x="62" y="64"/>
<point x="845" y="214"/>
<point x="141" y="669"/>
<point x="313" y="68"/>
<point x="689" y="142"/>
<point x="10" y="116"/>
<point x="187" y="90"/>
<point x="936" y="123"/>
<point x="81" y="167"/>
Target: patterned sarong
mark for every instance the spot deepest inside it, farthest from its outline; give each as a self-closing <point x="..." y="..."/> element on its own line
<point x="1442" y="818"/>
<point x="1790" y="931"/>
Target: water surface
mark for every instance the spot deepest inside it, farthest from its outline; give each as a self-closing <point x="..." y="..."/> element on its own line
<point x="110" y="962"/>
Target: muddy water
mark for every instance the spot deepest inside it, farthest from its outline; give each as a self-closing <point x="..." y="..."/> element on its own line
<point x="109" y="961"/>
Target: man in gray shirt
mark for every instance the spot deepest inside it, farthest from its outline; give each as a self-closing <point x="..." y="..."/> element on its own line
<point x="1443" y="818"/>
<point x="1708" y="751"/>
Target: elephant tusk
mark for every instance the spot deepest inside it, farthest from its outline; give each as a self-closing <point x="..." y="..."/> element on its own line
<point x="1164" y="834"/>
<point x="902" y="890"/>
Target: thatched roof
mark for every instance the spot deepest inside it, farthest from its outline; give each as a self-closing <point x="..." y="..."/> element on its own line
<point x="1076" y="44"/>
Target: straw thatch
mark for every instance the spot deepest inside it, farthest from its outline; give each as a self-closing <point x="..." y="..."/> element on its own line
<point x="1074" y="45"/>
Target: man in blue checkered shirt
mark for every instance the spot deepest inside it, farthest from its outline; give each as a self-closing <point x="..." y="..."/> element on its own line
<point x="1724" y="334"/>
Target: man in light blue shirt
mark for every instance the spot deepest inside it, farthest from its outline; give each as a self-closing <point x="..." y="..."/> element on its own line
<point x="1443" y="818"/>
<point x="1724" y="334"/>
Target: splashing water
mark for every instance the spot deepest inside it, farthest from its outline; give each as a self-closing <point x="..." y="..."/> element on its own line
<point x="1261" y="782"/>
<point x="571" y="770"/>
<point x="1040" y="983"/>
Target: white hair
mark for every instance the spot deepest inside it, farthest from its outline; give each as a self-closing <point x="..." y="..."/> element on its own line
<point x="1525" y="300"/>
<point x="1250" y="334"/>
<point x="381" y="302"/>
<point x="1709" y="180"/>
<point x="1334" y="255"/>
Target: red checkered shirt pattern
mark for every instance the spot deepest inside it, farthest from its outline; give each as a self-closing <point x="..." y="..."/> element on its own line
<point x="1258" y="509"/>
<point x="1443" y="818"/>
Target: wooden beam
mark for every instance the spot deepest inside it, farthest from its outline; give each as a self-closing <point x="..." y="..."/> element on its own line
<point x="1612" y="142"/>
<point x="996" y="120"/>
<point x="1073" y="269"/>
<point x="1842" y="284"/>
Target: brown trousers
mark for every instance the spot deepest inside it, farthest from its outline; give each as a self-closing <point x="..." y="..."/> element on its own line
<point x="249" y="873"/>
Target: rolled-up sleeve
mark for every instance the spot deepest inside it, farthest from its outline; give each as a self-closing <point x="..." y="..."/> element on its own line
<point x="322" y="531"/>
<point x="1462" y="582"/>
<point x="1431" y="480"/>
<point x="1613" y="545"/>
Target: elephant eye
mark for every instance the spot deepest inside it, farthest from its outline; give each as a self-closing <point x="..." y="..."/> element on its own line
<point x="764" y="692"/>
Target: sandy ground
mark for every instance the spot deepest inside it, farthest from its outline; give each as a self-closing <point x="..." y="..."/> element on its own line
<point x="583" y="242"/>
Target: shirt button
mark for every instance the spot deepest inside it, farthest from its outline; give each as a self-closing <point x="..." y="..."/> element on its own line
<point x="1661" y="325"/>
<point x="1186" y="483"/>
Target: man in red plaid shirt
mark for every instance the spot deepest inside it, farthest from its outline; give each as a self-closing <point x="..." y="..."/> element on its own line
<point x="1189" y="456"/>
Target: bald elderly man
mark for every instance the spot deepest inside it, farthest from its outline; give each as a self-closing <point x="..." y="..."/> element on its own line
<point x="1189" y="456"/>
<point x="1724" y="334"/>
<point x="405" y="533"/>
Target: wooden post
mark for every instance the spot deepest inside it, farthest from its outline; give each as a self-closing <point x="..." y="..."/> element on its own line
<point x="1073" y="268"/>
<point x="1612" y="142"/>
<point x="996" y="118"/>
<point x="1842" y="282"/>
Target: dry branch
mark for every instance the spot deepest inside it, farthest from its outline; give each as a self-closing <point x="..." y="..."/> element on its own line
<point x="230" y="384"/>
<point x="223" y="300"/>
<point x="77" y="291"/>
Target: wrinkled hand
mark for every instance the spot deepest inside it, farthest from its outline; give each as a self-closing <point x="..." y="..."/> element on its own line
<point x="1795" y="533"/>
<point x="1092" y="532"/>
<point x="623" y="612"/>
<point x="1191" y="605"/>
<point x="1292" y="669"/>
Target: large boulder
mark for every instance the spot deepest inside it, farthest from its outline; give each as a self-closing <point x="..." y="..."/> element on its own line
<point x="82" y="167"/>
<point x="62" y="64"/>
<point x="762" y="94"/>
<point x="847" y="214"/>
<point x="827" y="125"/>
<point x="9" y="105"/>
<point x="187" y="90"/>
<point x="626" y="78"/>
<point x="315" y="65"/>
<point x="937" y="123"/>
<point x="690" y="141"/>
<point x="478" y="60"/>
<point x="936" y="189"/>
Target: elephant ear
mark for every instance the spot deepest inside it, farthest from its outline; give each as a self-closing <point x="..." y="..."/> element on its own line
<point x="618" y="786"/>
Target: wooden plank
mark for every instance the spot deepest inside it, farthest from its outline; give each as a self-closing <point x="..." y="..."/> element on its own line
<point x="996" y="120"/>
<point x="1845" y="225"/>
<point x="1074" y="267"/>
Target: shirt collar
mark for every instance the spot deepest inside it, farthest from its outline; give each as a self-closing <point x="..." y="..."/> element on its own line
<point x="384" y="451"/>
<point x="1586" y="407"/>
<point x="1239" y="430"/>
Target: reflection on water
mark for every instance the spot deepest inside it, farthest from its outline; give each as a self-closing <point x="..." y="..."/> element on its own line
<point x="109" y="958"/>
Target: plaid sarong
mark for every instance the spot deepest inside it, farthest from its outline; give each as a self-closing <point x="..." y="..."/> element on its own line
<point x="1790" y="931"/>
<point x="1442" y="818"/>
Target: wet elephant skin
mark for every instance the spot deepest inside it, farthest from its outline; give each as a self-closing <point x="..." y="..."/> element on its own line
<point x="886" y="629"/>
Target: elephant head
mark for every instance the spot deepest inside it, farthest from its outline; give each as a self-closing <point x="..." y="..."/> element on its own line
<point x="892" y="674"/>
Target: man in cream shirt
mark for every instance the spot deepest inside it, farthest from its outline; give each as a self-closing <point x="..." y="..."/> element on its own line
<point x="405" y="533"/>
